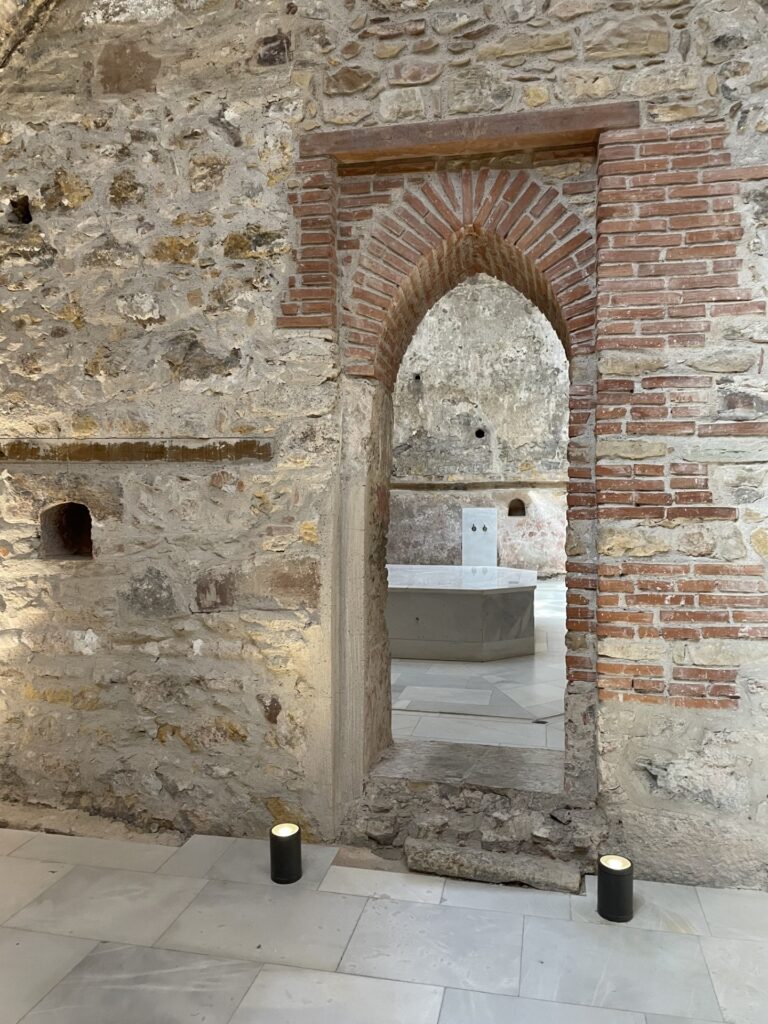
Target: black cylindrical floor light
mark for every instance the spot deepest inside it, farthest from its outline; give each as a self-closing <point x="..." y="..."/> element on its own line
<point x="285" y="853"/>
<point x="614" y="887"/>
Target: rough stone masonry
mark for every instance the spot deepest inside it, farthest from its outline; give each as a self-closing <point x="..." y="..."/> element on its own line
<point x="480" y="417"/>
<point x="204" y="308"/>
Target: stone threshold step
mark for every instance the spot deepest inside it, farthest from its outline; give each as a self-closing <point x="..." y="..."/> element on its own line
<point x="453" y="861"/>
<point x="532" y="770"/>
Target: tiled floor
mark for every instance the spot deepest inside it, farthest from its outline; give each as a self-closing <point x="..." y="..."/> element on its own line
<point x="135" y="933"/>
<point x="517" y="702"/>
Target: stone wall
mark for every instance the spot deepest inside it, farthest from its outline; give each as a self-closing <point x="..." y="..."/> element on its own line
<point x="186" y="276"/>
<point x="481" y="418"/>
<point x="183" y="675"/>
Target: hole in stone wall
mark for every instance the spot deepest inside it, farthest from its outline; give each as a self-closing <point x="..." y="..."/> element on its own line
<point x="516" y="507"/>
<point x="417" y="376"/>
<point x="65" y="531"/>
<point x="480" y="432"/>
<point x="20" y="211"/>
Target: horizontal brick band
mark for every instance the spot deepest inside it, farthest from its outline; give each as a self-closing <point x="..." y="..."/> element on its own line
<point x="136" y="450"/>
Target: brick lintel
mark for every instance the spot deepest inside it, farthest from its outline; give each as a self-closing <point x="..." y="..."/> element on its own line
<point x="461" y="136"/>
<point x="135" y="450"/>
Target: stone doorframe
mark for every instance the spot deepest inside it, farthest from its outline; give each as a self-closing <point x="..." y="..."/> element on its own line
<point x="389" y="220"/>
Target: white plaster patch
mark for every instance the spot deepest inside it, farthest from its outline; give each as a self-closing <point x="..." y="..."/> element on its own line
<point x="119" y="11"/>
<point x="85" y="641"/>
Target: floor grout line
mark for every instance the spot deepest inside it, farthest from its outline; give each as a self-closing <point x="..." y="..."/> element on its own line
<point x="442" y="1004"/>
<point x="44" y="890"/>
<point x="259" y="968"/>
<point x="351" y="936"/>
<point x="206" y="881"/>
<point x="706" y="965"/>
<point x="96" y="944"/>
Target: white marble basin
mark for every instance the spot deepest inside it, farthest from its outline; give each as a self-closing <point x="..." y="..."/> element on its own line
<point x="460" y="612"/>
<point x="459" y="577"/>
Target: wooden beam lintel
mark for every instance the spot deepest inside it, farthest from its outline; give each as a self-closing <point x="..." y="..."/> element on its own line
<point x="465" y="136"/>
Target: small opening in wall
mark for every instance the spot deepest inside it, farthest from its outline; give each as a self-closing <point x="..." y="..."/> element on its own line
<point x="480" y="432"/>
<point x="65" y="531"/>
<point x="516" y="507"/>
<point x="20" y="211"/>
<point x="417" y="376"/>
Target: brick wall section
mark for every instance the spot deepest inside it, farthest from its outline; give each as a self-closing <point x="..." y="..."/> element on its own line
<point x="311" y="299"/>
<point x="382" y="248"/>
<point x="668" y="267"/>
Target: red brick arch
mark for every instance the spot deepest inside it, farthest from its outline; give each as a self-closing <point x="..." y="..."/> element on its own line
<point x="403" y="243"/>
<point x="445" y="229"/>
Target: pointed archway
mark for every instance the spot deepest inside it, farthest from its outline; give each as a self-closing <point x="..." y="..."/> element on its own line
<point x="433" y="232"/>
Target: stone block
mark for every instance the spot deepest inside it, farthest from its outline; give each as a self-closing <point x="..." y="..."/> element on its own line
<point x="453" y="861"/>
<point x="516" y="44"/>
<point x="634" y="36"/>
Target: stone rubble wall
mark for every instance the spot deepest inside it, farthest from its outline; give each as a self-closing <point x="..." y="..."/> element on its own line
<point x="425" y="526"/>
<point x="483" y="359"/>
<point x="190" y="675"/>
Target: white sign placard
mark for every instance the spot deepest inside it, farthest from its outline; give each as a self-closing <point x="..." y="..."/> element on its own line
<point x="478" y="536"/>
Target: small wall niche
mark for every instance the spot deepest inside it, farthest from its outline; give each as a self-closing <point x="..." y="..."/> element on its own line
<point x="516" y="507"/>
<point x="19" y="212"/>
<point x="65" y="531"/>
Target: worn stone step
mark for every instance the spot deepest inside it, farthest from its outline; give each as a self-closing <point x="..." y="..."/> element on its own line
<point x="453" y="861"/>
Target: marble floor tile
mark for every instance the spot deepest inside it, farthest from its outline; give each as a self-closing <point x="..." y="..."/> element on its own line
<point x="663" y="1018"/>
<point x="481" y="1008"/>
<point x="498" y="732"/>
<point x="659" y="906"/>
<point x="379" y="884"/>
<point x="502" y="705"/>
<point x="96" y="853"/>
<point x="446" y="694"/>
<point x="555" y="738"/>
<point x="12" y="838"/>
<point x="247" y="860"/>
<point x="739" y="972"/>
<point x="289" y="995"/>
<point x="30" y="965"/>
<point x="442" y="945"/>
<point x="196" y="857"/>
<point x="735" y="913"/>
<point x="512" y="899"/>
<point x="548" y="710"/>
<point x="115" y="906"/>
<point x="458" y="669"/>
<point x="450" y="675"/>
<point x="272" y="924"/>
<point x="136" y="985"/>
<point x="404" y="722"/>
<point x="571" y="962"/>
<point x="531" y="693"/>
<point x="474" y="710"/>
<point x="22" y="881"/>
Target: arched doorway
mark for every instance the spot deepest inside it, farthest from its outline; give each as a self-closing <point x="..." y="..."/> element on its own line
<point x="437" y="231"/>
<point x="480" y="429"/>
